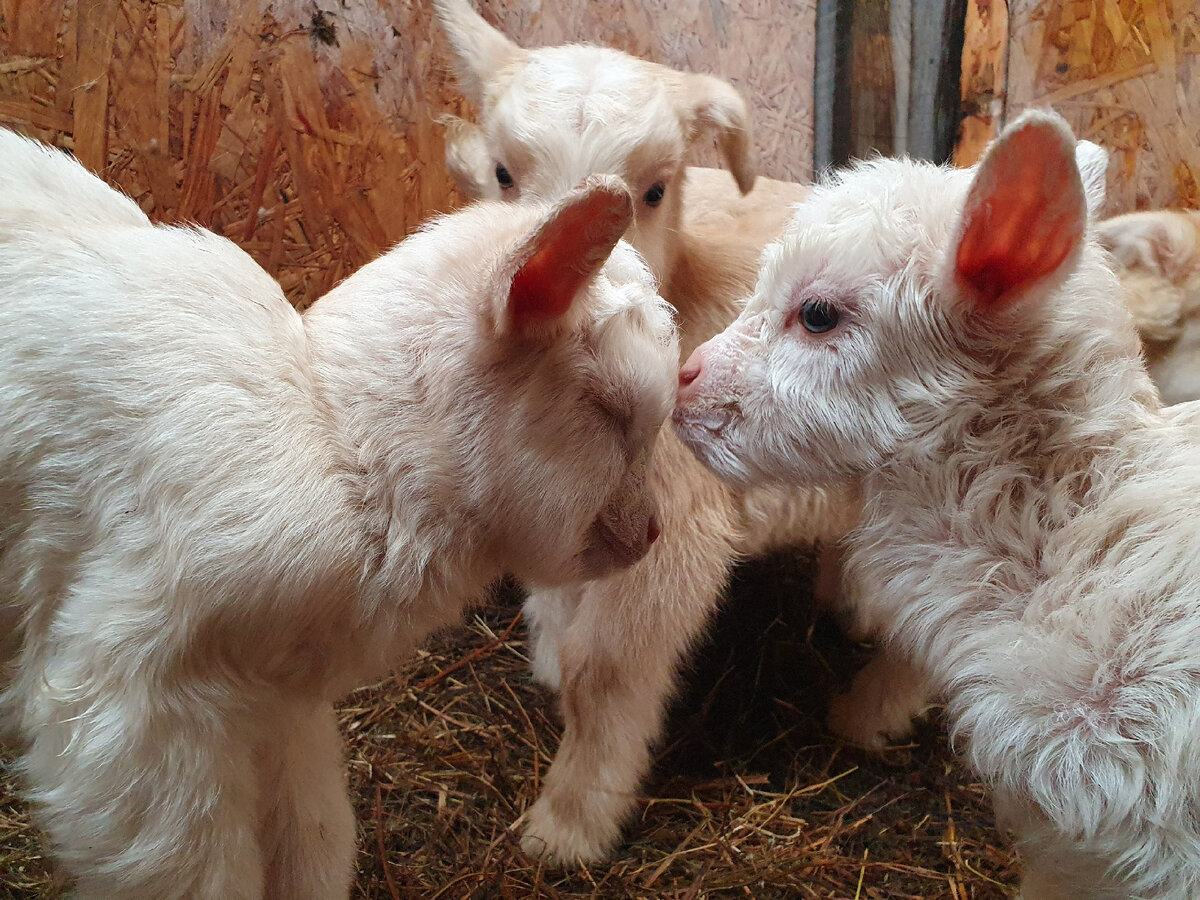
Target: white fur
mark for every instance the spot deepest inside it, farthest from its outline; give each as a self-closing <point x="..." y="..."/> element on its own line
<point x="218" y="515"/>
<point x="552" y="116"/>
<point x="1157" y="257"/>
<point x="1029" y="529"/>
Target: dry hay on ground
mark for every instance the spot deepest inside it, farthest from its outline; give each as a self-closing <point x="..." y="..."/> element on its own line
<point x="750" y="796"/>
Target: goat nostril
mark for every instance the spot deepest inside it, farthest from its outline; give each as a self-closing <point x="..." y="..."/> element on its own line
<point x="689" y="373"/>
<point x="652" y="530"/>
<point x="691" y="369"/>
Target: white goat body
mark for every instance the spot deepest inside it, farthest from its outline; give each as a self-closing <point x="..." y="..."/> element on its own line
<point x="218" y="515"/>
<point x="957" y="341"/>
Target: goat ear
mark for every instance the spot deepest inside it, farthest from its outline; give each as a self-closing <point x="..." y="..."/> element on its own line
<point x="468" y="159"/>
<point x="480" y="51"/>
<point x="565" y="251"/>
<point x="1025" y="214"/>
<point x="1092" y="160"/>
<point x="709" y="103"/>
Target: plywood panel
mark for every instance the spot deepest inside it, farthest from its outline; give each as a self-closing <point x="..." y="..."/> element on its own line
<point x="1126" y="74"/>
<point x="306" y="131"/>
<point x="983" y="79"/>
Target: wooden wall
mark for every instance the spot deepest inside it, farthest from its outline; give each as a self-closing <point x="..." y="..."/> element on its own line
<point x="1125" y="73"/>
<point x="305" y="129"/>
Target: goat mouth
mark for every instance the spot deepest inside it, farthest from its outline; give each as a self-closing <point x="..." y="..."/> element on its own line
<point x="696" y="439"/>
<point x="605" y="552"/>
<point x="702" y="423"/>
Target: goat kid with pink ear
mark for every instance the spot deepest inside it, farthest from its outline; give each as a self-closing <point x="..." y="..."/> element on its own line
<point x="217" y="515"/>
<point x="957" y="341"/>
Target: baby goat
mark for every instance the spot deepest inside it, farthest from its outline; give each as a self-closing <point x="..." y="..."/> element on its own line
<point x="550" y="117"/>
<point x="1157" y="255"/>
<point x="217" y="515"/>
<point x="957" y="340"/>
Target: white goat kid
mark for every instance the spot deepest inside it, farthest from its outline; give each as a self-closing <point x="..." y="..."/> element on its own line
<point x="549" y="118"/>
<point x="217" y="515"/>
<point x="958" y="341"/>
<point x="552" y="116"/>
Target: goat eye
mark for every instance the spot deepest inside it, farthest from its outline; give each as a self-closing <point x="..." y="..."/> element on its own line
<point x="616" y="414"/>
<point x="654" y="196"/>
<point x="818" y="316"/>
<point x="502" y="176"/>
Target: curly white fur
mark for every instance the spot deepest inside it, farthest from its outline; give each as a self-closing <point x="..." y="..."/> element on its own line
<point x="1029" y="527"/>
<point x="217" y="515"/>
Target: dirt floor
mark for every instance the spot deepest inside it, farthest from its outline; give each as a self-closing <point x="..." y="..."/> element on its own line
<point x="750" y="796"/>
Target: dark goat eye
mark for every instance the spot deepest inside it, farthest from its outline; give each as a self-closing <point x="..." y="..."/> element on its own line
<point x="818" y="316"/>
<point x="502" y="176"/>
<point x="654" y="196"/>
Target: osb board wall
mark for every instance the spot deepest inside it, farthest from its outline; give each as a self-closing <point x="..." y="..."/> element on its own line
<point x="1125" y="73"/>
<point x="305" y="129"/>
<point x="984" y="61"/>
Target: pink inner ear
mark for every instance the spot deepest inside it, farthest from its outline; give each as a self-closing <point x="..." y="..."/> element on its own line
<point x="536" y="294"/>
<point x="1024" y="216"/>
<point x="570" y="248"/>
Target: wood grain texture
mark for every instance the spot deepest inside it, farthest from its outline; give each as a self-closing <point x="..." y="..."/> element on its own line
<point x="984" y="78"/>
<point x="1126" y="74"/>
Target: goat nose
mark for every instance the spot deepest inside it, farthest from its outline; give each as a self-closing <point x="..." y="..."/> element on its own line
<point x="652" y="530"/>
<point x="689" y="374"/>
